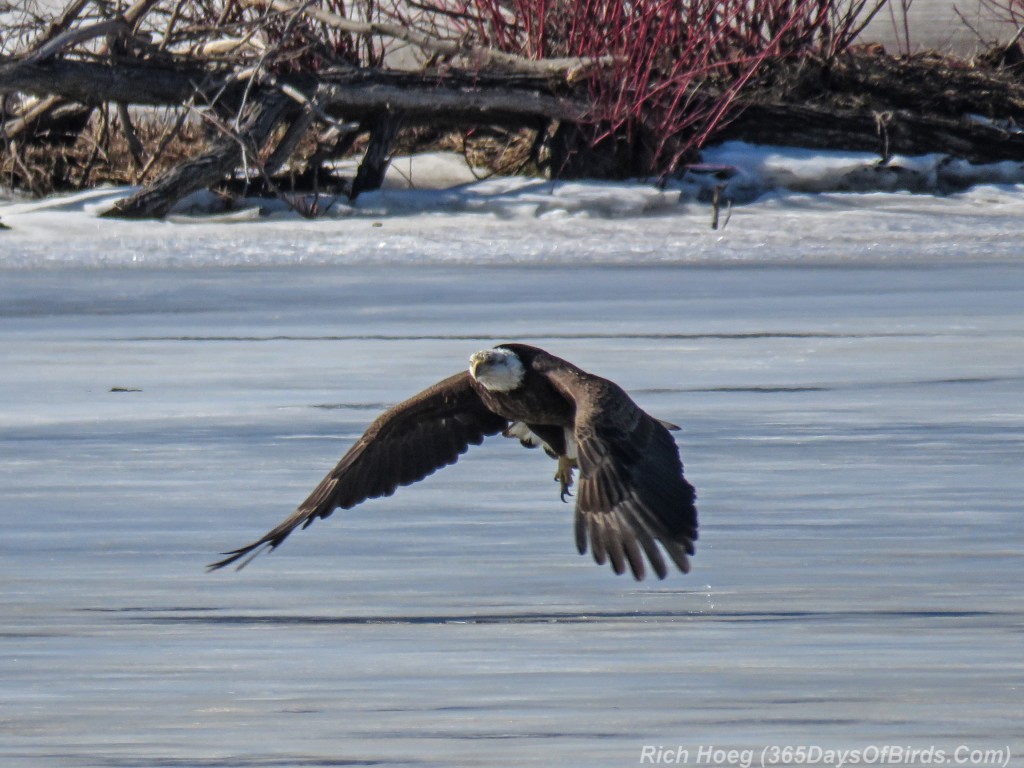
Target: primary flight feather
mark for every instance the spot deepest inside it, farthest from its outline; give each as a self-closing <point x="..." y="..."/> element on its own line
<point x="632" y="501"/>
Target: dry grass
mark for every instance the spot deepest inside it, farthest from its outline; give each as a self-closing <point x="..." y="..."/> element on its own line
<point x="99" y="152"/>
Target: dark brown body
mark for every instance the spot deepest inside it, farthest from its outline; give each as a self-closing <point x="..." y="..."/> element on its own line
<point x="537" y="403"/>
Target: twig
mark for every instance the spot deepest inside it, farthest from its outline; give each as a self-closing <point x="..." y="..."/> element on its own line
<point x="259" y="70"/>
<point x="66" y="19"/>
<point x="882" y="121"/>
<point x="164" y="141"/>
<point x="97" y="148"/>
<point x="716" y="202"/>
<point x="135" y="147"/>
<point x="31" y="178"/>
<point x="172" y="21"/>
<point x="850" y="24"/>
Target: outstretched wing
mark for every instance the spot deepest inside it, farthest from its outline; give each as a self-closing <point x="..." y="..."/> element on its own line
<point x="405" y="444"/>
<point x="631" y="490"/>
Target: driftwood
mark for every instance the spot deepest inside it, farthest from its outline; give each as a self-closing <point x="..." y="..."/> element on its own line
<point x="890" y="105"/>
<point x="370" y="98"/>
<point x="234" y="147"/>
<point x="59" y="36"/>
<point x="259" y="103"/>
<point x="93" y="83"/>
<point x="356" y="93"/>
<point x="86" y="59"/>
<point x="888" y="133"/>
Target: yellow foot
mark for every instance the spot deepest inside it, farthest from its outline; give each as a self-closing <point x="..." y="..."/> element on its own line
<point x="564" y="475"/>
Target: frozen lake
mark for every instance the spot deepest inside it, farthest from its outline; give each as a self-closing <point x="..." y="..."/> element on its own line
<point x="849" y="375"/>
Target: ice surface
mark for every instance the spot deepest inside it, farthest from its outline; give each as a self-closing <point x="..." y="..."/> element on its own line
<point x="849" y="375"/>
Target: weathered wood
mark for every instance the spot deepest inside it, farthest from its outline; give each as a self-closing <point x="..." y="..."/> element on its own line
<point x="58" y="37"/>
<point x="888" y="105"/>
<point x="300" y="125"/>
<point x="225" y="154"/>
<point x="897" y="132"/>
<point x="926" y="85"/>
<point x="57" y="27"/>
<point x="51" y="121"/>
<point x="93" y="83"/>
<point x="383" y="130"/>
<point x="422" y="96"/>
<point x="864" y="102"/>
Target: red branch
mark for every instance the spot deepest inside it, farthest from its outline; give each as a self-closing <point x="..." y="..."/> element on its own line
<point x="680" y="64"/>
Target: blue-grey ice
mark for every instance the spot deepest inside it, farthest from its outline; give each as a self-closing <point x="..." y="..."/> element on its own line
<point x="848" y="373"/>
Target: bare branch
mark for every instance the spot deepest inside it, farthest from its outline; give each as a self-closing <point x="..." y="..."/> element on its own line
<point x="135" y="147"/>
<point x="73" y="37"/>
<point x="72" y="12"/>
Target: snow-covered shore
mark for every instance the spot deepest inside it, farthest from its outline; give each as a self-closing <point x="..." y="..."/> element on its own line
<point x="791" y="205"/>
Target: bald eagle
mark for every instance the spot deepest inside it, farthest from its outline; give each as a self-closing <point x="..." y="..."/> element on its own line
<point x="631" y="492"/>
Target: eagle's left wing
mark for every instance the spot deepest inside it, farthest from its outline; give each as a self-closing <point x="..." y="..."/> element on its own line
<point x="405" y="444"/>
<point x="631" y="490"/>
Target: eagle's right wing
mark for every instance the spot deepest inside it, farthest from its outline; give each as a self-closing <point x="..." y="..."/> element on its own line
<point x="405" y="444"/>
<point x="631" y="490"/>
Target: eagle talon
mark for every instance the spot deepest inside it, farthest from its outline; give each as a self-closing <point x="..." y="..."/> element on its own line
<point x="564" y="475"/>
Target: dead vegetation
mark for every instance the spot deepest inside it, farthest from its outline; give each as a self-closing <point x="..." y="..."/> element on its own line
<point x="265" y="96"/>
<point x="868" y="100"/>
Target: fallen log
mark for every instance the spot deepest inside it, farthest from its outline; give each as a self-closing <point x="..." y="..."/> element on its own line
<point x="886" y="133"/>
<point x="369" y="97"/>
<point x="445" y="99"/>
<point x="355" y="93"/>
<point x="132" y="82"/>
<point x="888" y="105"/>
<point x="225" y="154"/>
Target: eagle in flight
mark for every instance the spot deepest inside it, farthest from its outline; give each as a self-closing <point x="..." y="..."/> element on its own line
<point x="631" y="493"/>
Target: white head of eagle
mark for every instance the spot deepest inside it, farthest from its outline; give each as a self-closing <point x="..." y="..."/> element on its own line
<point x="498" y="369"/>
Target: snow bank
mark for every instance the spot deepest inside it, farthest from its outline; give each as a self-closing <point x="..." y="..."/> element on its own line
<point x="779" y="205"/>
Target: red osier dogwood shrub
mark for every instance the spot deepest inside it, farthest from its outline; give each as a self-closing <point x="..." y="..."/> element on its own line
<point x="678" y="65"/>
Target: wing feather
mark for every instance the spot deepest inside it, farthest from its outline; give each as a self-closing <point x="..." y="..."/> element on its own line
<point x="405" y="444"/>
<point x="632" y="550"/>
<point x="596" y="533"/>
<point x="613" y="540"/>
<point x="632" y="495"/>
